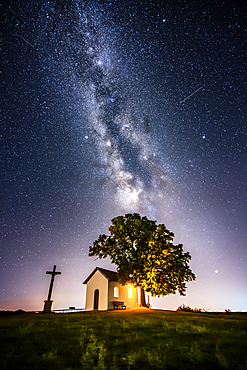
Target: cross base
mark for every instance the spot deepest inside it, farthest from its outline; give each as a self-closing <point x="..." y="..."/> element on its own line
<point x="47" y="306"/>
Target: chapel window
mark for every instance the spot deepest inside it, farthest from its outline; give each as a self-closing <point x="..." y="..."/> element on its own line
<point x="116" y="292"/>
<point x="130" y="293"/>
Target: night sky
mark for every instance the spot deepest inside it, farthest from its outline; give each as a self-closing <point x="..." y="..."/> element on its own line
<point x="113" y="107"/>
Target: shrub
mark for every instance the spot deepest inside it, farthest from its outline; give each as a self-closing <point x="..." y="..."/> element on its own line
<point x="189" y="309"/>
<point x="184" y="308"/>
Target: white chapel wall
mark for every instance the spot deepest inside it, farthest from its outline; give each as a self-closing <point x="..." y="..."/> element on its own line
<point x="97" y="281"/>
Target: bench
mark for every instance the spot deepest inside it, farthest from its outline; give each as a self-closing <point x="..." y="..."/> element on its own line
<point x="118" y="304"/>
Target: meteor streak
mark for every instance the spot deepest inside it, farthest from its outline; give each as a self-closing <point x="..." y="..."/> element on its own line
<point x="25" y="40"/>
<point x="192" y="94"/>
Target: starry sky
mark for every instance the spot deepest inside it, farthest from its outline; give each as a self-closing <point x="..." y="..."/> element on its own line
<point x="112" y="107"/>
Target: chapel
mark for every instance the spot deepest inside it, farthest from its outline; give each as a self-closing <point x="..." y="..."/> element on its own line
<point x="105" y="292"/>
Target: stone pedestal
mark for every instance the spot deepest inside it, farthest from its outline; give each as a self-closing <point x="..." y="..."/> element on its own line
<point x="47" y="306"/>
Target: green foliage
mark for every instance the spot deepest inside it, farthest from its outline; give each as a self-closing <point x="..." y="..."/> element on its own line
<point x="144" y="254"/>
<point x="94" y="352"/>
<point x="131" y="339"/>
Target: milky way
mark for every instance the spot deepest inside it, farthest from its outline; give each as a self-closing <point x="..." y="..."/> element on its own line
<point x="117" y="107"/>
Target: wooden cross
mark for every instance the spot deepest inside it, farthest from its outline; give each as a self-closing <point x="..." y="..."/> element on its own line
<point x="53" y="274"/>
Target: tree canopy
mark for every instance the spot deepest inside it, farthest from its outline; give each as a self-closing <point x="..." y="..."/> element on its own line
<point x="145" y="255"/>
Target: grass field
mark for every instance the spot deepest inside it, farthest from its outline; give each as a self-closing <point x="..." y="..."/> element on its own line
<point x="132" y="339"/>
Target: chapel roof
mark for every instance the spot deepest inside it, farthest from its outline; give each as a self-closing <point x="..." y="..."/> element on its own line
<point x="109" y="275"/>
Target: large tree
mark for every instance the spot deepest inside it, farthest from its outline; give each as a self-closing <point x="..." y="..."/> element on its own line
<point x="144" y="254"/>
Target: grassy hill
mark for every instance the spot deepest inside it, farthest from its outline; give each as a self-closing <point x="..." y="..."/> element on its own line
<point x="131" y="339"/>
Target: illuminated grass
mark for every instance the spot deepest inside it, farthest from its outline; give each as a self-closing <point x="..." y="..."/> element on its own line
<point x="134" y="339"/>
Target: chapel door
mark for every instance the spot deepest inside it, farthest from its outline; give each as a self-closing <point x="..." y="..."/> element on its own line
<point x="96" y="299"/>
